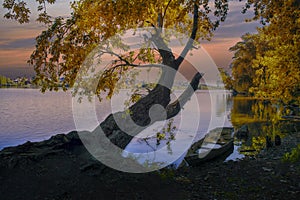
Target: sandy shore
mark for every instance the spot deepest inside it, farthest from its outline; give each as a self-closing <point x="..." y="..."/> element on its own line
<point x="61" y="168"/>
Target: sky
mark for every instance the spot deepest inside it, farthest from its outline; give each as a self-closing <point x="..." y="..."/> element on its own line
<point x="18" y="41"/>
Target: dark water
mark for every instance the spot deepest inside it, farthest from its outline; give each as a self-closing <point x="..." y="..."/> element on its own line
<point x="262" y="118"/>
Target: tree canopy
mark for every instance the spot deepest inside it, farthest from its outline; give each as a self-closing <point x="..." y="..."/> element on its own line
<point x="62" y="48"/>
<point x="266" y="64"/>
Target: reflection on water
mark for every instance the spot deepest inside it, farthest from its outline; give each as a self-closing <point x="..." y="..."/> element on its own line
<point x="262" y="118"/>
<point x="213" y="108"/>
<point x="26" y="114"/>
<point x="29" y="115"/>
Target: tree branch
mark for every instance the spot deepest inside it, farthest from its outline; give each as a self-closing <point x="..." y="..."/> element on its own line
<point x="189" y="44"/>
<point x="163" y="49"/>
<point x="117" y="55"/>
<point x="165" y="12"/>
<point x="127" y="63"/>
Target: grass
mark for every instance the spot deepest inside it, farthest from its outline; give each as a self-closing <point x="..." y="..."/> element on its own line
<point x="292" y="156"/>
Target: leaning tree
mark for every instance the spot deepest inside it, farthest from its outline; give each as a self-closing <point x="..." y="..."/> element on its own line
<point x="63" y="47"/>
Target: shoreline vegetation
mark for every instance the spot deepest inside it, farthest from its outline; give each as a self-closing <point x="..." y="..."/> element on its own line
<point x="61" y="168"/>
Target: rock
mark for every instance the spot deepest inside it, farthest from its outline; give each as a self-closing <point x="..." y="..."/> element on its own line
<point x="183" y="179"/>
<point x="267" y="169"/>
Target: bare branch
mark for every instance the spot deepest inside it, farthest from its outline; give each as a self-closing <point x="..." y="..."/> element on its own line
<point x="138" y="66"/>
<point x="117" y="55"/>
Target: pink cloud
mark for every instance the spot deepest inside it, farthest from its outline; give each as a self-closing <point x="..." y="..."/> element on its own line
<point x="16" y="57"/>
<point x="218" y="49"/>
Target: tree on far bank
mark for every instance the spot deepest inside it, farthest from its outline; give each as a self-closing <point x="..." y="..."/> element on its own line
<point x="226" y="79"/>
<point x="4" y="81"/>
<point x="266" y="64"/>
<point x="242" y="66"/>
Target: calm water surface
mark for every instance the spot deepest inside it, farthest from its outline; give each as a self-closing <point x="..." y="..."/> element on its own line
<point x="28" y="115"/>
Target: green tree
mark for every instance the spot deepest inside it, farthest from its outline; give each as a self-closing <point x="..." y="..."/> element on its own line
<point x="266" y="64"/>
<point x="4" y="81"/>
<point x="226" y="79"/>
<point x="281" y="60"/>
<point x="242" y="65"/>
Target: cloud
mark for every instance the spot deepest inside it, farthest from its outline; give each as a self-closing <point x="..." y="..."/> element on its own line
<point x="16" y="71"/>
<point x="229" y="33"/>
<point x="13" y="30"/>
<point x="235" y="25"/>
<point x="14" y="57"/>
<point x="18" y="43"/>
<point x="218" y="49"/>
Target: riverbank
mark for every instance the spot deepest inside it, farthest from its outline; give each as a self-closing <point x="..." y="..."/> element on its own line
<point x="61" y="168"/>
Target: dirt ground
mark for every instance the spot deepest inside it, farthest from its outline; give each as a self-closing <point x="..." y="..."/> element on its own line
<point x="61" y="168"/>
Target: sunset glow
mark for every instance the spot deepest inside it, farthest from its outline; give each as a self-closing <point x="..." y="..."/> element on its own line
<point x="17" y="41"/>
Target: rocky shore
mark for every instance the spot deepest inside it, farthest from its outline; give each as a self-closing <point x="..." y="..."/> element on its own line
<point x="61" y="168"/>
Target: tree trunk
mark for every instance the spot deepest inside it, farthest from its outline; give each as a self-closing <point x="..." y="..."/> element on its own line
<point x="156" y="105"/>
<point x="139" y="113"/>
